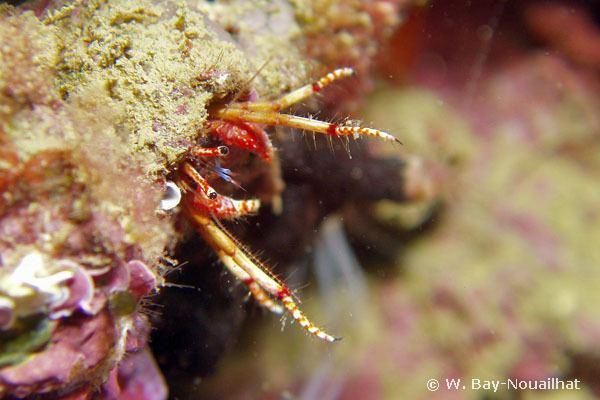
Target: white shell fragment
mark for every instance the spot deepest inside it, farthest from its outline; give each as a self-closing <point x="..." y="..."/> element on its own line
<point x="222" y="78"/>
<point x="171" y="198"/>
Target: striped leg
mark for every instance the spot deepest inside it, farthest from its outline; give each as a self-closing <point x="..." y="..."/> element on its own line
<point x="261" y="297"/>
<point x="232" y="252"/>
<point x="267" y="113"/>
<point x="308" y="124"/>
<point x="219" y="151"/>
<point x="288" y="302"/>
<point x="297" y="95"/>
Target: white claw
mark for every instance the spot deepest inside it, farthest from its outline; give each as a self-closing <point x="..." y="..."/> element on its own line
<point x="171" y="198"/>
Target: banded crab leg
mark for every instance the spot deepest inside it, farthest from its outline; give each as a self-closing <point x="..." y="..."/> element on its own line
<point x="309" y="124"/>
<point x="255" y="290"/>
<point x="219" y="151"/>
<point x="198" y="202"/>
<point x="267" y="113"/>
<point x="232" y="253"/>
<point x="297" y="95"/>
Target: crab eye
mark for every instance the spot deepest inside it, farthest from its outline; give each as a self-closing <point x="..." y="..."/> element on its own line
<point x="212" y="194"/>
<point x="223" y="150"/>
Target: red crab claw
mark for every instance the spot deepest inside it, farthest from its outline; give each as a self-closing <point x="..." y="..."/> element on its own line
<point x="244" y="135"/>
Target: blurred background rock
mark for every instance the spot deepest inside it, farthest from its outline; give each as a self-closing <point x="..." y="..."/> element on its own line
<point x="495" y="274"/>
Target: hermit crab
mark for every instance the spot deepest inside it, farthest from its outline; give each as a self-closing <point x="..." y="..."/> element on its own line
<point x="239" y="124"/>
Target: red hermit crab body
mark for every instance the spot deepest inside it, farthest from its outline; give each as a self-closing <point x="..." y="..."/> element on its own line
<point x="238" y="124"/>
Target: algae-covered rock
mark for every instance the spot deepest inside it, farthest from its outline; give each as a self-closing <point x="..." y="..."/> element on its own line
<point x="99" y="103"/>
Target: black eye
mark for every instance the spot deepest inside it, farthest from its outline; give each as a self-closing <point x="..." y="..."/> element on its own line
<point x="223" y="150"/>
<point x="212" y="195"/>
